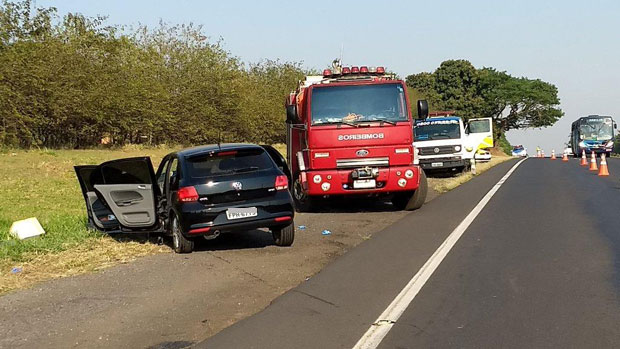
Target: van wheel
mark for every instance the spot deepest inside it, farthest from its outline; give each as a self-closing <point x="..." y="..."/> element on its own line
<point x="412" y="200"/>
<point x="303" y="202"/>
<point x="180" y="243"/>
<point x="284" y="236"/>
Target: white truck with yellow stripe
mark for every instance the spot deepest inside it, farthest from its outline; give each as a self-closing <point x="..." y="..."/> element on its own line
<point x="445" y="142"/>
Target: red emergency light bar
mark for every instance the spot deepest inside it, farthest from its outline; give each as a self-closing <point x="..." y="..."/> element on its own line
<point x="354" y="70"/>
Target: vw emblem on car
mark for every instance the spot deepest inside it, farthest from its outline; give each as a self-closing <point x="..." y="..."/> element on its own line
<point x="361" y="152"/>
<point x="436" y="150"/>
<point x="237" y="185"/>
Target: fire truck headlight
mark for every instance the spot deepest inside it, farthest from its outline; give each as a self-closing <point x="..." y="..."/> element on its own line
<point x="402" y="182"/>
<point x="609" y="144"/>
<point x="325" y="186"/>
<point x="457" y="148"/>
<point x="317" y="179"/>
<point x="409" y="174"/>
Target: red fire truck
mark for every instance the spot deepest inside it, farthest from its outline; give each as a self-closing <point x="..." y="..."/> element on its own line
<point x="349" y="132"/>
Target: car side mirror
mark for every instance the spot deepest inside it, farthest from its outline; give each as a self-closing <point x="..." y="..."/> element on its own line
<point x="422" y="109"/>
<point x="615" y="125"/>
<point x="291" y="114"/>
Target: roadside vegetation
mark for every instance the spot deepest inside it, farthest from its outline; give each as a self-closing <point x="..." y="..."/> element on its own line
<point x="78" y="81"/>
<point x="42" y="184"/>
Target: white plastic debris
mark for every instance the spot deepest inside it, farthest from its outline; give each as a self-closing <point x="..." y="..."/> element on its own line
<point x="26" y="228"/>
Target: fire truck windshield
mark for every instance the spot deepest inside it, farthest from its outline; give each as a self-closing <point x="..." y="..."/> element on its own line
<point x="358" y="104"/>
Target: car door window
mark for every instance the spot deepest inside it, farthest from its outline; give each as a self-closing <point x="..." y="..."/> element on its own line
<point x="173" y="173"/>
<point x="126" y="172"/>
<point x="161" y="174"/>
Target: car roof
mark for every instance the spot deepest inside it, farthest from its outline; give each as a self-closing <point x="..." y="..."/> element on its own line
<point x="216" y="147"/>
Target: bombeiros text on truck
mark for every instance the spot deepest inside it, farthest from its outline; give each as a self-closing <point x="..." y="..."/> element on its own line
<point x="349" y="133"/>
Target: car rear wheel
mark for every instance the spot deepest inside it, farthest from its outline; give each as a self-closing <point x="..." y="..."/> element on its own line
<point x="180" y="243"/>
<point x="284" y="236"/>
<point x="412" y="200"/>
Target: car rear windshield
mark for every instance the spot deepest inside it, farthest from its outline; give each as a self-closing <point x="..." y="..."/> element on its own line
<point x="228" y="162"/>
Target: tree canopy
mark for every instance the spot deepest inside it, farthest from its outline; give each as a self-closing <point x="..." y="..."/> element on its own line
<point x="69" y="82"/>
<point x="512" y="102"/>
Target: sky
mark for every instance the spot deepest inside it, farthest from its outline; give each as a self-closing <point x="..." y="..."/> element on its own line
<point x="574" y="45"/>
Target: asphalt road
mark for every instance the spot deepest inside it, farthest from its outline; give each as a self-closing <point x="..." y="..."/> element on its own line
<point x="538" y="267"/>
<point x="172" y="301"/>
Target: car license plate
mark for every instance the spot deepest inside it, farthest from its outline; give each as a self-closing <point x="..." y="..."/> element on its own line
<point x="241" y="212"/>
<point x="436" y="164"/>
<point x="364" y="184"/>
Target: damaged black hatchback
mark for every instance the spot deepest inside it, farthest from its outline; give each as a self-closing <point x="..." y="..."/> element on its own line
<point x="196" y="192"/>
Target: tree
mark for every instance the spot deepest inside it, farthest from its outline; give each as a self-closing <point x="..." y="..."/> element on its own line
<point x="69" y="82"/>
<point x="512" y="102"/>
<point x="516" y="103"/>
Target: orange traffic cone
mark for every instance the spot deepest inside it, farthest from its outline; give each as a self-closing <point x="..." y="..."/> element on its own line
<point x="565" y="157"/>
<point x="603" y="171"/>
<point x="553" y="155"/>
<point x="593" y="166"/>
<point x="584" y="160"/>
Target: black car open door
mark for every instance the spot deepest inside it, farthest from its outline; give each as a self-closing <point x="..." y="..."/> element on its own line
<point x="126" y="188"/>
<point x="99" y="215"/>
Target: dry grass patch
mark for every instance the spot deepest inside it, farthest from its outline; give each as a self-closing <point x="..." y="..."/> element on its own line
<point x="442" y="185"/>
<point x="92" y="255"/>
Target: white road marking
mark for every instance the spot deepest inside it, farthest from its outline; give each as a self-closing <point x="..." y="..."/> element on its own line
<point x="378" y="330"/>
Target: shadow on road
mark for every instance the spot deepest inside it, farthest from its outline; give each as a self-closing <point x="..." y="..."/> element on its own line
<point x="172" y="345"/>
<point x="353" y="205"/>
<point x="236" y="241"/>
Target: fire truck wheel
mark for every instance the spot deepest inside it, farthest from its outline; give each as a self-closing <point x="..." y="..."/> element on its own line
<point x="284" y="236"/>
<point x="303" y="202"/>
<point x="412" y="200"/>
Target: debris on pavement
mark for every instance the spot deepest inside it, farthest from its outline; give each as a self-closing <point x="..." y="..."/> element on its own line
<point x="302" y="227"/>
<point x="16" y="270"/>
<point x="26" y="228"/>
<point x="326" y="232"/>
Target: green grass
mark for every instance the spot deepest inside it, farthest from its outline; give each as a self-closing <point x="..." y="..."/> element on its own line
<point x="42" y="184"/>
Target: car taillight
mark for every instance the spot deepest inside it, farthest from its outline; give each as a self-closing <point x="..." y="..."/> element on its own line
<point x="281" y="182"/>
<point x="187" y="194"/>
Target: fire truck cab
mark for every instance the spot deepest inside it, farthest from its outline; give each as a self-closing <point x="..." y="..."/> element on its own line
<point x="349" y="133"/>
